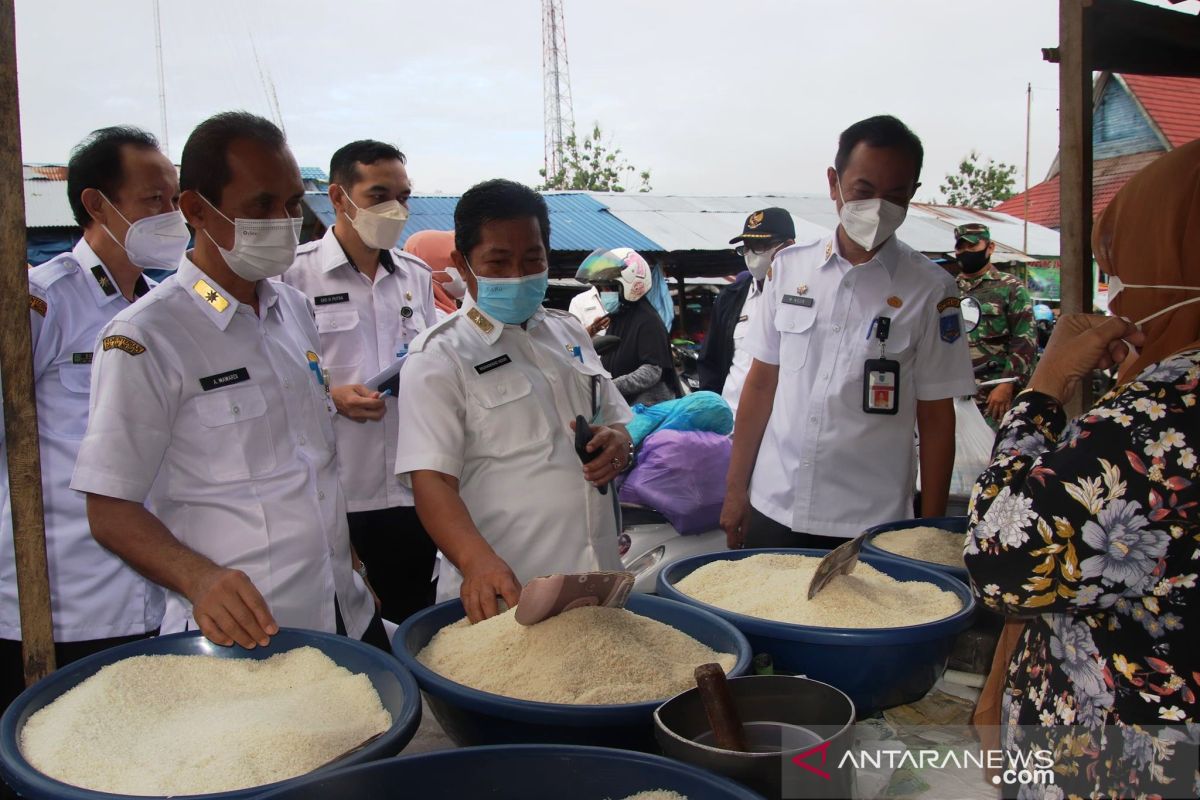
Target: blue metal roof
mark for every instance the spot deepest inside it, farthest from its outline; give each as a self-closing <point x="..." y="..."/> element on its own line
<point x="313" y="174"/>
<point x="577" y="222"/>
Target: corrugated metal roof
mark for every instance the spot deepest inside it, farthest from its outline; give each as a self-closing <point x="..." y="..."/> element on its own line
<point x="46" y="205"/>
<point x="313" y="174"/>
<point x="708" y="223"/>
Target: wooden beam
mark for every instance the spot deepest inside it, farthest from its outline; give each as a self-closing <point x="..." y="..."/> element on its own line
<point x="16" y="373"/>
<point x="1075" y="153"/>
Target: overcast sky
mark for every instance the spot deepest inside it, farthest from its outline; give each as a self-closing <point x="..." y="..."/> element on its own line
<point x="714" y="96"/>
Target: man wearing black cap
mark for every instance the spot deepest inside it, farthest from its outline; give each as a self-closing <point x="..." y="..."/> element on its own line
<point x="723" y="361"/>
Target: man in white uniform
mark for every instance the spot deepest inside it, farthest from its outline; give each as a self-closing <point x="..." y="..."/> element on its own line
<point x="371" y="300"/>
<point x="860" y="340"/>
<point x="124" y="193"/>
<point x="724" y="362"/>
<point x="210" y="401"/>
<point x="492" y="457"/>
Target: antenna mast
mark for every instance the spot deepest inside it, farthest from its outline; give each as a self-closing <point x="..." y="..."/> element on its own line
<point x="162" y="83"/>
<point x="559" y="115"/>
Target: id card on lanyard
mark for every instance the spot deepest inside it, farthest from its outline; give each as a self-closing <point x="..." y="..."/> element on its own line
<point x="881" y="376"/>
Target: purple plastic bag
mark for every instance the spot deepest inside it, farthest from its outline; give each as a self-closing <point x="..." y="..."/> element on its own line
<point x="681" y="474"/>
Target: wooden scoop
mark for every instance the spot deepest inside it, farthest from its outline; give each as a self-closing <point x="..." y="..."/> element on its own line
<point x="718" y="705"/>
<point x="841" y="560"/>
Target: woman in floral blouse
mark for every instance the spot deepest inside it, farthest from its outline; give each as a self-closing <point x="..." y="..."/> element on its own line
<point x="1090" y="528"/>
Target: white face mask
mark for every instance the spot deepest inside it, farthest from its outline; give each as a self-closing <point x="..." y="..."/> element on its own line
<point x="262" y="248"/>
<point x="758" y="263"/>
<point x="156" y="242"/>
<point x="1116" y="286"/>
<point x="870" y="223"/>
<point x="457" y="287"/>
<point x="379" y="226"/>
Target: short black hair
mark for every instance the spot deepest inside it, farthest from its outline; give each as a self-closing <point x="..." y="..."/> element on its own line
<point x="343" y="167"/>
<point x="881" y="131"/>
<point x="497" y="199"/>
<point x="96" y="164"/>
<point x="204" y="167"/>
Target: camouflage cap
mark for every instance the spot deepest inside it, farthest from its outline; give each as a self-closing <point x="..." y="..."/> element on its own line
<point x="973" y="232"/>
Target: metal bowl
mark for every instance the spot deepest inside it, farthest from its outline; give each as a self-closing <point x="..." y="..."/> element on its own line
<point x="395" y="685"/>
<point x="877" y="667"/>
<point x="516" y="772"/>
<point x="955" y="524"/>
<point x="471" y="717"/>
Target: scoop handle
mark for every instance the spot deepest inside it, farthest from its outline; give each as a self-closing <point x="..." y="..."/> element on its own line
<point x="718" y="705"/>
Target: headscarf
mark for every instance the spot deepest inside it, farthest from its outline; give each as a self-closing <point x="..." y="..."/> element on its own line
<point x="434" y="248"/>
<point x="643" y="341"/>
<point x="1150" y="234"/>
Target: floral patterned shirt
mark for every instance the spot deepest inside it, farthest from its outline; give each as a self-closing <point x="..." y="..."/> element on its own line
<point x="1092" y="525"/>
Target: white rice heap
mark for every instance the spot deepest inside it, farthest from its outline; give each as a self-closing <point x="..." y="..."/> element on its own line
<point x="171" y="725"/>
<point x="586" y="656"/>
<point x="657" y="794"/>
<point x="925" y="543"/>
<point x="775" y="587"/>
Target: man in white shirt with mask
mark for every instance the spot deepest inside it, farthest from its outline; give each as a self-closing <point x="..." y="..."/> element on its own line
<point x="372" y="299"/>
<point x="860" y="341"/>
<point x="210" y="401"/>
<point x="124" y="193"/>
<point x="724" y="361"/>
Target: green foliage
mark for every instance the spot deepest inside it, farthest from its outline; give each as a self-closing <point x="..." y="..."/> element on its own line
<point x="979" y="185"/>
<point x="595" y="166"/>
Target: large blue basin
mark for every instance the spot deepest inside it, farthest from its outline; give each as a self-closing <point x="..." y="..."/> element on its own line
<point x="955" y="524"/>
<point x="516" y="772"/>
<point x="471" y="717"/>
<point x="395" y="685"/>
<point x="877" y="667"/>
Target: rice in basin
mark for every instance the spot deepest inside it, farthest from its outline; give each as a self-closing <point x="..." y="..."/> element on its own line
<point x="172" y="725"/>
<point x="586" y="656"/>
<point x="774" y="586"/>
<point x="924" y="543"/>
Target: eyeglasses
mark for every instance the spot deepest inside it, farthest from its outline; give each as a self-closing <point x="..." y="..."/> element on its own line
<point x="757" y="247"/>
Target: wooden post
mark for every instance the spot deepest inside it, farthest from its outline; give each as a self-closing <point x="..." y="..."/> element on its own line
<point x="16" y="373"/>
<point x="1075" y="180"/>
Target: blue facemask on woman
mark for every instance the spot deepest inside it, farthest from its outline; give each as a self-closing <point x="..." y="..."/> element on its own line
<point x="510" y="300"/>
<point x="610" y="301"/>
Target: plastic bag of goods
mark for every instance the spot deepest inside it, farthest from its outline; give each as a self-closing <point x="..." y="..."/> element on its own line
<point x="681" y="474"/>
<point x="701" y="411"/>
<point x="973" y="442"/>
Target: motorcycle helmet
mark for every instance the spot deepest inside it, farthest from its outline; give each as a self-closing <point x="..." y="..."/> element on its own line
<point x="1043" y="313"/>
<point x="620" y="265"/>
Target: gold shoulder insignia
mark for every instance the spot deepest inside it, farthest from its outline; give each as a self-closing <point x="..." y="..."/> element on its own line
<point x="210" y="295"/>
<point x="124" y="343"/>
<point x="949" y="302"/>
<point x="483" y="323"/>
<point x="829" y="249"/>
<point x="37" y="304"/>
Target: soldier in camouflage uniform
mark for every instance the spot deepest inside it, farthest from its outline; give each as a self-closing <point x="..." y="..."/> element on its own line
<point x="1004" y="342"/>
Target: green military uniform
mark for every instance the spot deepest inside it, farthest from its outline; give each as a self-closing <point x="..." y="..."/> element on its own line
<point x="1004" y="343"/>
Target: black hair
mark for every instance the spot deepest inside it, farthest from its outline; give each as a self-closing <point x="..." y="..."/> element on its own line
<point x="96" y="164"/>
<point x="343" y="167"/>
<point x="497" y="199"/>
<point x="881" y="131"/>
<point x="204" y="167"/>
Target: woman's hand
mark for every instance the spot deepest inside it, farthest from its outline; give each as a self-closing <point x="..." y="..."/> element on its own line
<point x="1082" y="343"/>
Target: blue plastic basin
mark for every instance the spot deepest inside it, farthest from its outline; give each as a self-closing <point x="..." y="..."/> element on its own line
<point x="395" y="685"/>
<point x="877" y="667"/>
<point x="471" y="717"/>
<point x="516" y="772"/>
<point x="955" y="524"/>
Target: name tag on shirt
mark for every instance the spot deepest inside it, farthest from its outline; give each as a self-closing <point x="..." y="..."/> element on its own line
<point x="797" y="300"/>
<point x="81" y="358"/>
<point x="224" y="379"/>
<point x="488" y="366"/>
<point x="329" y="299"/>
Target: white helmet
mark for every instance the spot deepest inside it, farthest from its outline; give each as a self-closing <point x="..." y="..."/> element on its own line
<point x="621" y="265"/>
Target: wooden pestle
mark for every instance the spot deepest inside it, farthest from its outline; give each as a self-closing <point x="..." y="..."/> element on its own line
<point x="718" y="705"/>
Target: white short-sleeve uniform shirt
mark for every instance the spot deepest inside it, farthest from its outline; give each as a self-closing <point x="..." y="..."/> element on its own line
<point x="364" y="327"/>
<point x="497" y="402"/>
<point x="739" y="368"/>
<point x="825" y="466"/>
<point x="220" y="418"/>
<point x="93" y="594"/>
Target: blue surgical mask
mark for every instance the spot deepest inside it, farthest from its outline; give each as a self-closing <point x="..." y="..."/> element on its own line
<point x="510" y="300"/>
<point x="610" y="301"/>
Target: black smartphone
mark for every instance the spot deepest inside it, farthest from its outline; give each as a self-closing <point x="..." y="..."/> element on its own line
<point x="583" y="435"/>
